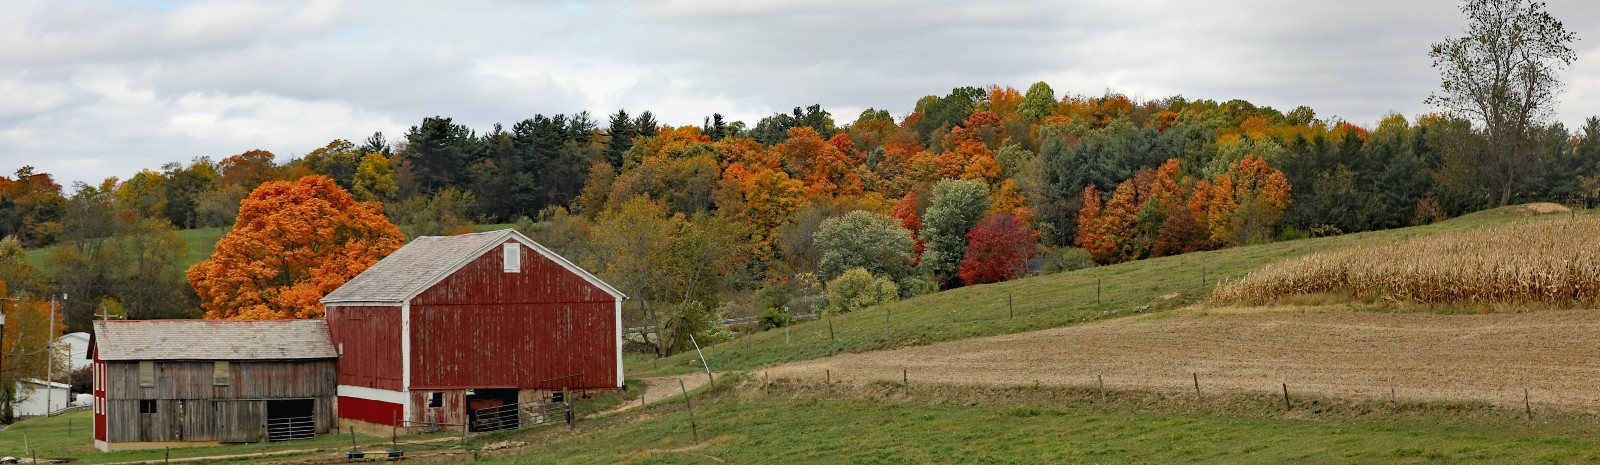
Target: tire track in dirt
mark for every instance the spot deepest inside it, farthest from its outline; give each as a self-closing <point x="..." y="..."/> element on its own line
<point x="1492" y="358"/>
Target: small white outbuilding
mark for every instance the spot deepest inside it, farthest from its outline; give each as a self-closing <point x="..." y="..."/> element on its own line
<point x="33" y="395"/>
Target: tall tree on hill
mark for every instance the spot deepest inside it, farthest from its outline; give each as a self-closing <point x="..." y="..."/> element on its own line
<point x="1502" y="75"/>
<point x="184" y="186"/>
<point x="31" y="207"/>
<point x="376" y="143"/>
<point x="646" y="125"/>
<point x="953" y="210"/>
<point x="439" y="152"/>
<point x="1038" y="102"/>
<point x="337" y="160"/>
<point x="998" y="249"/>
<point x="293" y="243"/>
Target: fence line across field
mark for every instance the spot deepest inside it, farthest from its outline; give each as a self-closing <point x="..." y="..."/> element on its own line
<point x="1385" y="392"/>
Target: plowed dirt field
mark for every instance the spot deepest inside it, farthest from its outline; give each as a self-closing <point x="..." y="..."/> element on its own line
<point x="1555" y="355"/>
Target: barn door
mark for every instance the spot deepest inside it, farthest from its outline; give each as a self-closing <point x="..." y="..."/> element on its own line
<point x="240" y="420"/>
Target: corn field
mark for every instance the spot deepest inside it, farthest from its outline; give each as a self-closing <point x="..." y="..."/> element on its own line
<point x="1554" y="261"/>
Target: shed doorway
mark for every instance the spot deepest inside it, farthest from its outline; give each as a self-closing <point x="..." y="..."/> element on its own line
<point x="289" y="419"/>
<point x="492" y="409"/>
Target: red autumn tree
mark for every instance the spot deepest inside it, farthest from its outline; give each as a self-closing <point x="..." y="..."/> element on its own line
<point x="823" y="168"/>
<point x="906" y="211"/>
<point x="292" y="243"/>
<point x="998" y="249"/>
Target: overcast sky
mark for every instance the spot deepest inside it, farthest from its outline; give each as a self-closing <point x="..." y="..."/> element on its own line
<point x="91" y="89"/>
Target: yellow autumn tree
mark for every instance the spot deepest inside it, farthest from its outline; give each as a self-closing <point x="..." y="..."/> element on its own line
<point x="293" y="243"/>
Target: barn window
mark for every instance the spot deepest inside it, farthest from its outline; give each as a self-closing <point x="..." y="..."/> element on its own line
<point x="147" y="373"/>
<point x="435" y="399"/>
<point x="147" y="406"/>
<point x="219" y="374"/>
<point x="513" y="257"/>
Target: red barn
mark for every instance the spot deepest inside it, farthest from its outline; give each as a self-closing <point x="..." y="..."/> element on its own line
<point x="449" y="325"/>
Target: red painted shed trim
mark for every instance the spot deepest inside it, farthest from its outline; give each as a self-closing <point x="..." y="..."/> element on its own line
<point x="372" y="411"/>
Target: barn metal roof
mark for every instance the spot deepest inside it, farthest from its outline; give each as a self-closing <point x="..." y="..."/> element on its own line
<point x="213" y="340"/>
<point x="428" y="259"/>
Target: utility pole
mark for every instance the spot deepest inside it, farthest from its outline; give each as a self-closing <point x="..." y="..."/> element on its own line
<point x="50" y="357"/>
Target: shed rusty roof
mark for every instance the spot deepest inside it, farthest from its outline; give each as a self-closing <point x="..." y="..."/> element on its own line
<point x="213" y="340"/>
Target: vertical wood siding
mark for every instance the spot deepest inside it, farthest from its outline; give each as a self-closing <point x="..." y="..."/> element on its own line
<point x="523" y="346"/>
<point x="190" y="407"/>
<point x="543" y="327"/>
<point x="370" y="338"/>
<point x="280" y="379"/>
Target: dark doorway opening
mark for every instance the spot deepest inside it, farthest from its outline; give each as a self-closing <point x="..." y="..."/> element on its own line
<point x="291" y="419"/>
<point x="492" y="409"/>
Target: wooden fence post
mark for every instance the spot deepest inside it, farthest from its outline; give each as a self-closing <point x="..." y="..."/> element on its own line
<point x="905" y="380"/>
<point x="827" y="380"/>
<point x="1527" y="403"/>
<point x="1097" y="291"/>
<point x="693" y="428"/>
<point x="830" y="328"/>
<point x="1011" y="311"/>
<point x="1393" y="405"/>
<point x="1287" y="406"/>
<point x="1197" y="396"/>
<point x="572" y="414"/>
<point x="1102" y="380"/>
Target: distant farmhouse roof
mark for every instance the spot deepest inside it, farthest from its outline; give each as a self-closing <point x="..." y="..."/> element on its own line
<point x="213" y="340"/>
<point x="429" y="259"/>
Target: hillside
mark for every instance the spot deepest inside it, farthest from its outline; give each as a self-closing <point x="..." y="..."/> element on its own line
<point x="1028" y="391"/>
<point x="201" y="243"/>
<point x="1042" y="302"/>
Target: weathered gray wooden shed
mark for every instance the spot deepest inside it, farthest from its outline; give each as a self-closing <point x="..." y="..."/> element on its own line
<point x="180" y="382"/>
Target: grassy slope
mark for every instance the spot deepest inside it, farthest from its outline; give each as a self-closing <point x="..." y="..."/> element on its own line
<point x="49" y="439"/>
<point x="879" y="424"/>
<point x="201" y="242"/>
<point x="1039" y="302"/>
<point x="68" y="435"/>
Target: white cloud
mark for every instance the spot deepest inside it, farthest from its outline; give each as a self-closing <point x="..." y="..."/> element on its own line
<point x="103" y="88"/>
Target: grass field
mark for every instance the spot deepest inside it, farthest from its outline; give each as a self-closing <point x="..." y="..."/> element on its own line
<point x="878" y="424"/>
<point x="1041" y="302"/>
<point x="69" y="436"/>
<point x="201" y="243"/>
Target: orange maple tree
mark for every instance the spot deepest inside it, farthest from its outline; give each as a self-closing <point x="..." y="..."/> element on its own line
<point x="292" y="244"/>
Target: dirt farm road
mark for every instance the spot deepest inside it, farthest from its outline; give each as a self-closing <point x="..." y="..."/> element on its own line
<point x="1555" y="355"/>
<point x="663" y="387"/>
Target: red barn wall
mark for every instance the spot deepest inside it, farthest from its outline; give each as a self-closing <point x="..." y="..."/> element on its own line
<point x="369" y="337"/>
<point x="543" y="327"/>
